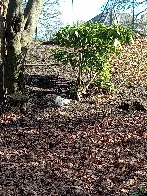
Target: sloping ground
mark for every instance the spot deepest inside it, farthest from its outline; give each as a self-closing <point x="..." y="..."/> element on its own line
<point x="94" y="147"/>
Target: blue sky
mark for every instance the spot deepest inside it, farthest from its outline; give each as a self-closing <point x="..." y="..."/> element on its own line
<point x="82" y="9"/>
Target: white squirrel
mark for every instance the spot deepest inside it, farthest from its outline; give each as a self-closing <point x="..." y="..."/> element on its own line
<point x="61" y="101"/>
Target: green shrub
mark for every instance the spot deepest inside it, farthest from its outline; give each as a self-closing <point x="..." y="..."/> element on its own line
<point x="89" y="47"/>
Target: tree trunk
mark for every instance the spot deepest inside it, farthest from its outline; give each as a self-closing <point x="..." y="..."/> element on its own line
<point x="2" y="40"/>
<point x="20" y="28"/>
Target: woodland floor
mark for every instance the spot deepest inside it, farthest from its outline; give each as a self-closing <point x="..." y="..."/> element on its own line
<point x="96" y="146"/>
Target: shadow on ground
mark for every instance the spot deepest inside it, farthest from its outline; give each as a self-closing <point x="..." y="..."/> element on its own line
<point x="50" y="84"/>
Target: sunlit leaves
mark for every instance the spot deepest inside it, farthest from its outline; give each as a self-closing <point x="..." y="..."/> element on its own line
<point x="92" y="43"/>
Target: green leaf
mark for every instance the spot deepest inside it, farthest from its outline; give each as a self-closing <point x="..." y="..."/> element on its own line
<point x="91" y="43"/>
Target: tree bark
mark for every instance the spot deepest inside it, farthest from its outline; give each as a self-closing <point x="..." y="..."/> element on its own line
<point x="2" y="40"/>
<point x="20" y="28"/>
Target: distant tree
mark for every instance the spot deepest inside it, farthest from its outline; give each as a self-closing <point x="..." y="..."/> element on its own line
<point x="19" y="27"/>
<point x="50" y="19"/>
<point x="124" y="5"/>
